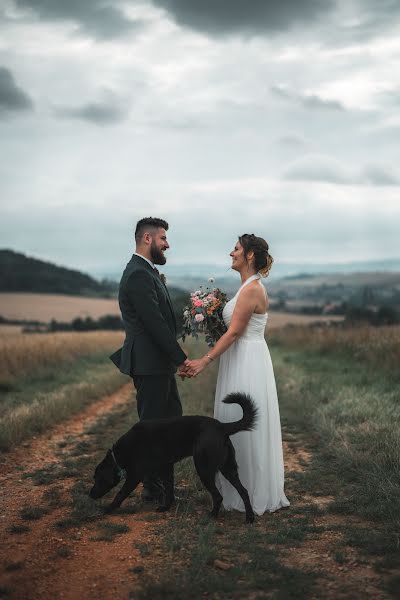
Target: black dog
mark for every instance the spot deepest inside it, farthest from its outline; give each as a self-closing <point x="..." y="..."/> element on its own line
<point x="155" y="445"/>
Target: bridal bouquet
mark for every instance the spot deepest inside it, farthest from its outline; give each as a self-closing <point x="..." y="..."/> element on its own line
<point x="203" y="314"/>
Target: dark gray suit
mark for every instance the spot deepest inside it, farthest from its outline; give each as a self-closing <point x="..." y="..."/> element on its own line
<point x="150" y="353"/>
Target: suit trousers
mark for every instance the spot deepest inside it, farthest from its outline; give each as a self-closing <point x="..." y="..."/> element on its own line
<point x="157" y="396"/>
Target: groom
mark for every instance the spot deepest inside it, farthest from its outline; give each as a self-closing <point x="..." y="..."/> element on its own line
<point x="150" y="354"/>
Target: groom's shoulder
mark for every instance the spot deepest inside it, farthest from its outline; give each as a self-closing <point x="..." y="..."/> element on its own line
<point x="137" y="264"/>
<point x="136" y="267"/>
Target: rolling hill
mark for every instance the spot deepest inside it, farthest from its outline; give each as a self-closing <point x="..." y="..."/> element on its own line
<point x="21" y="273"/>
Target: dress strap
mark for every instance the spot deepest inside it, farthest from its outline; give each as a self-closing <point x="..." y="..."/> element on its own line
<point x="249" y="280"/>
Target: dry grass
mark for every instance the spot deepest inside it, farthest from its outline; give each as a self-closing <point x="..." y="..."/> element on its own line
<point x="278" y="319"/>
<point x="44" y="307"/>
<point x="7" y="331"/>
<point x="376" y="346"/>
<point x="44" y="410"/>
<point x="29" y="354"/>
<point x="45" y="378"/>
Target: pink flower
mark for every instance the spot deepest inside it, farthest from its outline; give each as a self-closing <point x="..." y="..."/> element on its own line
<point x="199" y="318"/>
<point x="197" y="303"/>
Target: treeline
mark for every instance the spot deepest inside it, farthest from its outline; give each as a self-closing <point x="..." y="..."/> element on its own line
<point x="353" y="313"/>
<point x="20" y="273"/>
<point x="383" y="315"/>
<point x="107" y="323"/>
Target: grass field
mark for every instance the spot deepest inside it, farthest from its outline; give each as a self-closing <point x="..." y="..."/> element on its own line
<point x="345" y="415"/>
<point x="353" y="413"/>
<point x="44" y="378"/>
<point x="377" y="347"/>
<point x="30" y="355"/>
<point x="340" y="412"/>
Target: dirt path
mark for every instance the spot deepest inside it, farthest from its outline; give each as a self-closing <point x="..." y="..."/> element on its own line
<point x="50" y="563"/>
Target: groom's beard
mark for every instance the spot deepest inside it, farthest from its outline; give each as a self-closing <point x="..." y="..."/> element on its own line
<point x="157" y="256"/>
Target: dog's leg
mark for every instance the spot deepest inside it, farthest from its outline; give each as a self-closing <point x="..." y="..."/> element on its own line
<point x="231" y="474"/>
<point x="168" y="497"/>
<point x="127" y="488"/>
<point x="207" y="478"/>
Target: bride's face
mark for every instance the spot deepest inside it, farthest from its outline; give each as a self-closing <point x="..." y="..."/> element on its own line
<point x="238" y="258"/>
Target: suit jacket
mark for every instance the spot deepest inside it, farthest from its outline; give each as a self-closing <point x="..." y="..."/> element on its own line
<point x="150" y="345"/>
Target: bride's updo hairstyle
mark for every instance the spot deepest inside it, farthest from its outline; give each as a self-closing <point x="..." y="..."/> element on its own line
<point x="262" y="258"/>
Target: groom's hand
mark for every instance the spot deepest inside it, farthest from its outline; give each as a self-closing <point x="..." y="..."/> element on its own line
<point x="185" y="369"/>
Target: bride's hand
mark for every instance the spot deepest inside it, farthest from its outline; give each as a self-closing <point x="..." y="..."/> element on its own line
<point x="198" y="365"/>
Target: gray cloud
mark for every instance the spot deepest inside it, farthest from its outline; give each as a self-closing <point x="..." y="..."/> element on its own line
<point x="309" y="101"/>
<point x="12" y="97"/>
<point x="327" y="170"/>
<point x="292" y="141"/>
<point x="373" y="18"/>
<point x="357" y="22"/>
<point x="377" y="175"/>
<point x="220" y="17"/>
<point x="100" y="18"/>
<point x="384" y="135"/>
<point x="95" y="112"/>
<point x="317" y="168"/>
<point x="392" y="97"/>
<point x="106" y="19"/>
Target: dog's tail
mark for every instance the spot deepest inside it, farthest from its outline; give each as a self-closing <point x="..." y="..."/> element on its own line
<point x="249" y="419"/>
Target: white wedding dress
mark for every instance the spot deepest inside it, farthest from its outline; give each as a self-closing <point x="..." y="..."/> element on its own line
<point x="246" y="367"/>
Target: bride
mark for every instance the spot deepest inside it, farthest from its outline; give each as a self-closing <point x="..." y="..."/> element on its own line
<point x="245" y="366"/>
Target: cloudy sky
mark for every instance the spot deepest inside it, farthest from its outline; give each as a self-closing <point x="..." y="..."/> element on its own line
<point x="223" y="116"/>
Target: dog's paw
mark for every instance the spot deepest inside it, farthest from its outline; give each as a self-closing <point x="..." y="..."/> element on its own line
<point x="250" y="518"/>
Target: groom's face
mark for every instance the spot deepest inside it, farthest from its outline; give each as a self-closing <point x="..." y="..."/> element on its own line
<point x="159" y="245"/>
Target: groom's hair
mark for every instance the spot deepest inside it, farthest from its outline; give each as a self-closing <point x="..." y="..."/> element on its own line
<point x="148" y="224"/>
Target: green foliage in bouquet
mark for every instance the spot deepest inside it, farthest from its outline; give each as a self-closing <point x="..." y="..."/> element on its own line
<point x="203" y="314"/>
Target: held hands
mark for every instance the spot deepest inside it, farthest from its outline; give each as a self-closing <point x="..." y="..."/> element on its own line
<point x="191" y="368"/>
<point x="184" y="369"/>
<point x="198" y="365"/>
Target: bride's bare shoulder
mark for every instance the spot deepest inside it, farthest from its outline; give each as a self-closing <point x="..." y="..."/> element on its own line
<point x="254" y="295"/>
<point x="254" y="287"/>
<point x="252" y="291"/>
